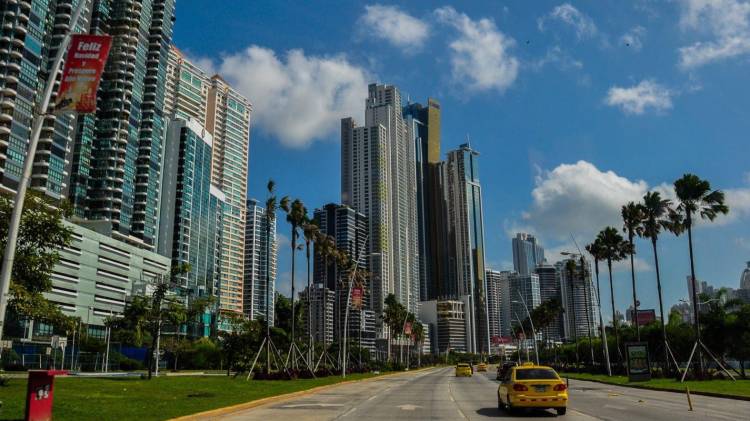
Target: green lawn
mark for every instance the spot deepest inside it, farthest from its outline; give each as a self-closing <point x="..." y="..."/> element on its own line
<point x="724" y="387"/>
<point x="157" y="399"/>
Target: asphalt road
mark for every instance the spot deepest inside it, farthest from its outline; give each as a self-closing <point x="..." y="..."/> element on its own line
<point x="438" y="395"/>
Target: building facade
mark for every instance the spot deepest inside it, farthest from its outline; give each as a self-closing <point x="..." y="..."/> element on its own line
<point x="524" y="296"/>
<point x="96" y="275"/>
<point x="578" y="299"/>
<point x="378" y="180"/>
<point x="320" y="316"/>
<point x="495" y="279"/>
<point x="549" y="289"/>
<point x="466" y="236"/>
<point x="191" y="209"/>
<point x="527" y="253"/>
<point x="260" y="272"/>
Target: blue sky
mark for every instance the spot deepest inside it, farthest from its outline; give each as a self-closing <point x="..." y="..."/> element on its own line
<point x="576" y="108"/>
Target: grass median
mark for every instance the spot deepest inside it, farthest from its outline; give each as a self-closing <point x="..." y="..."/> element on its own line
<point x="739" y="388"/>
<point x="157" y="399"/>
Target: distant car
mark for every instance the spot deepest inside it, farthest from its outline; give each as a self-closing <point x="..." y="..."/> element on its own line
<point x="481" y="367"/>
<point x="532" y="386"/>
<point x="463" y="369"/>
<point x="503" y="368"/>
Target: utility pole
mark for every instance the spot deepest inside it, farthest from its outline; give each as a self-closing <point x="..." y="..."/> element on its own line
<point x="15" y="219"/>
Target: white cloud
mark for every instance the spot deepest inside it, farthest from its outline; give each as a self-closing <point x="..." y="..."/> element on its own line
<point x="566" y="13"/>
<point x="556" y="55"/>
<point x="639" y="98"/>
<point x="726" y="22"/>
<point x="392" y="24"/>
<point x="296" y="98"/>
<point x="579" y="199"/>
<point x="480" y="54"/>
<point x="634" y="38"/>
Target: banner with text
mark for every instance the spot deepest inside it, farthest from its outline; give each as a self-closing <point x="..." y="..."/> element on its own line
<point x="82" y="73"/>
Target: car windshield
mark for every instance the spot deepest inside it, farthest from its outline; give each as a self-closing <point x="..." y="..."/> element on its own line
<point x="463" y="366"/>
<point x="536" y="374"/>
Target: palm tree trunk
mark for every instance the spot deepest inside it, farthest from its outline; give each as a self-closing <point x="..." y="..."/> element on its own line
<point x="601" y="322"/>
<point x="614" y="313"/>
<point x="635" y="299"/>
<point x="587" y="303"/>
<point x="309" y="311"/>
<point x="661" y="309"/>
<point x="294" y="313"/>
<point x="693" y="281"/>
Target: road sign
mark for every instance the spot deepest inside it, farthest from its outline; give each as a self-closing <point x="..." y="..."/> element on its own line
<point x="62" y="342"/>
<point x="54" y="341"/>
<point x="6" y="344"/>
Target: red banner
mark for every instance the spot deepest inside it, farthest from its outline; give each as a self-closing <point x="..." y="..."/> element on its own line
<point x="407" y="328"/>
<point x="357" y="293"/>
<point x="83" y="71"/>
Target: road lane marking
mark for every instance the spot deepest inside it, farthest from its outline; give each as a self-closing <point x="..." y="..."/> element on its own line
<point x="372" y="397"/>
<point x="408" y="407"/>
<point x="349" y="412"/>
<point x="303" y="405"/>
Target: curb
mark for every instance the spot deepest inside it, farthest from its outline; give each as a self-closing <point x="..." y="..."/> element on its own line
<point x="218" y="412"/>
<point x="664" y="389"/>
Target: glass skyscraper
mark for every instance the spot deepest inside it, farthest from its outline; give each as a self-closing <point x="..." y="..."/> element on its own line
<point x="527" y="253"/>
<point x="466" y="236"/>
<point x="259" y="276"/>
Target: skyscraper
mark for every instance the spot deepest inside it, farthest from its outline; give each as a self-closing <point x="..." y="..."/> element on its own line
<point x="257" y="273"/>
<point x="349" y="228"/>
<point x="466" y="236"/>
<point x="117" y="153"/>
<point x="549" y="289"/>
<point x="527" y="253"/>
<point x="578" y="300"/>
<point x="524" y="295"/>
<point x="378" y="180"/>
<point x="423" y="130"/>
<point x="190" y="217"/>
<point x="495" y="290"/>
<point x="226" y="115"/>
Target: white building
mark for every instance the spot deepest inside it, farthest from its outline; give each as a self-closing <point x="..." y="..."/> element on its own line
<point x="256" y="277"/>
<point x="378" y="180"/>
<point x="578" y="300"/>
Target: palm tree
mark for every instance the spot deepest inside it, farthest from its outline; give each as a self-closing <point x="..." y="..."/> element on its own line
<point x="325" y="248"/>
<point x="696" y="197"/>
<point x="597" y="252"/>
<point x="295" y="215"/>
<point x="658" y="215"/>
<point x="614" y="249"/>
<point x="310" y="231"/>
<point x="632" y="216"/>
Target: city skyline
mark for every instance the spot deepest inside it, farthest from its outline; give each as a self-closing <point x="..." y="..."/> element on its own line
<point x="542" y="143"/>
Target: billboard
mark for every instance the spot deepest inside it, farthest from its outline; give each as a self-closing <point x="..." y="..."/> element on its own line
<point x="639" y="366"/>
<point x="644" y="316"/>
<point x="82" y="72"/>
<point x="357" y="293"/>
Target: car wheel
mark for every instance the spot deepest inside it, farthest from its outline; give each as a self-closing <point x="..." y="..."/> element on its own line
<point x="561" y="411"/>
<point x="509" y="408"/>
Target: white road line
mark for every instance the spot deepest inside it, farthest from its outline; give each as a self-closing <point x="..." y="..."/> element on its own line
<point x="372" y="397"/>
<point x="349" y="412"/>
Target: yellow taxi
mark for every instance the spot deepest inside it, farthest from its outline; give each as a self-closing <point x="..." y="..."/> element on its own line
<point x="482" y="367"/>
<point x="532" y="386"/>
<point x="463" y="369"/>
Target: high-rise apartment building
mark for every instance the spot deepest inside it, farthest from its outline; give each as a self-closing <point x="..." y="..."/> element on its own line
<point x="578" y="299"/>
<point x="259" y="271"/>
<point x="378" y="180"/>
<point x="30" y="33"/>
<point x="527" y="253"/>
<point x="117" y="153"/>
<point x="228" y="119"/>
<point x="191" y="209"/>
<point x="494" y="301"/>
<point x="225" y="113"/>
<point x="466" y="236"/>
<point x="524" y="296"/>
<point x="549" y="289"/>
<point x="321" y="302"/>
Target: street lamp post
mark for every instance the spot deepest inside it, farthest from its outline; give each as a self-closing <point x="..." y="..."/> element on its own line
<point x="520" y="323"/>
<point x="533" y="331"/>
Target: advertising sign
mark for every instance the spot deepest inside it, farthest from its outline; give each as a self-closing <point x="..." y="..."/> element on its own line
<point x="83" y="71"/>
<point x="357" y="297"/>
<point x="407" y="328"/>
<point x="639" y="366"/>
